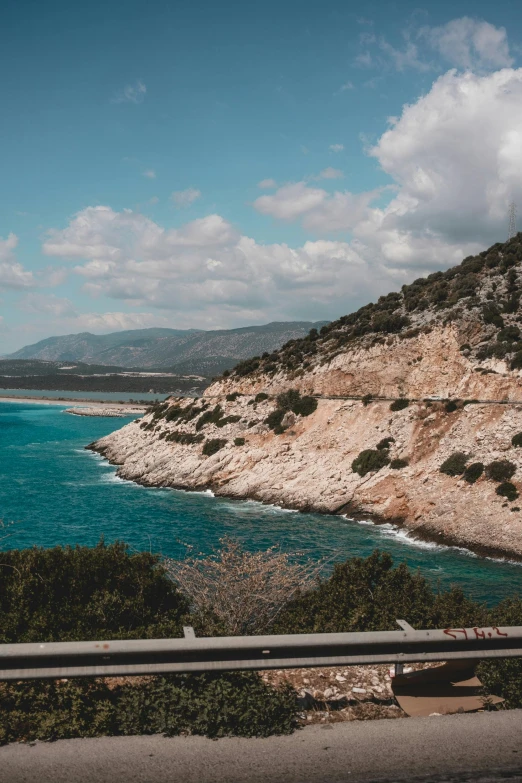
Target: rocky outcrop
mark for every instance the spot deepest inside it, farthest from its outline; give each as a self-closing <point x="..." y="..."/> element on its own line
<point x="309" y="465"/>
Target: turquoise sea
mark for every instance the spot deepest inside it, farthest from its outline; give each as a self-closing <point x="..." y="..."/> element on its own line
<point x="56" y="492"/>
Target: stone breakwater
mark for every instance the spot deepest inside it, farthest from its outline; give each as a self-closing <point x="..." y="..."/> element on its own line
<point x="308" y="467"/>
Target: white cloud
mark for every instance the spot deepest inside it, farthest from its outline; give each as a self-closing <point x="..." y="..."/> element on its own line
<point x="330" y="173"/>
<point x="470" y="43"/>
<point x="206" y="272"/>
<point x="466" y="43"/>
<point x="336" y="147"/>
<point x="131" y="93"/>
<point x="149" y="173"/>
<point x="184" y="198"/>
<point x="266" y="184"/>
<point x="13" y="274"/>
<point x="455" y="157"/>
<point x="346" y="86"/>
<point x="290" y="201"/>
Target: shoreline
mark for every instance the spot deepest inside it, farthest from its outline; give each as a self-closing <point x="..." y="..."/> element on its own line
<point x="67" y="402"/>
<point x="349" y="514"/>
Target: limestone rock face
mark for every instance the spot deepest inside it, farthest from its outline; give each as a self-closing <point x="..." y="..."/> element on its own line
<point x="308" y="466"/>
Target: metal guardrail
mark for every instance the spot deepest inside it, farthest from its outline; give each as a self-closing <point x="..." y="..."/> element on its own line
<point x="191" y="654"/>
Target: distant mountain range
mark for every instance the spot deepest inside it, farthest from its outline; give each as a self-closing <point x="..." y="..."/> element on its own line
<point x="181" y="351"/>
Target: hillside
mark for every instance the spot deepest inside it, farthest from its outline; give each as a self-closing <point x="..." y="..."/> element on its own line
<point x="429" y="378"/>
<point x="183" y="352"/>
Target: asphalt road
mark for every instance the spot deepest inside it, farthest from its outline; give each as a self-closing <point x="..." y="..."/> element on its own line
<point x="484" y="748"/>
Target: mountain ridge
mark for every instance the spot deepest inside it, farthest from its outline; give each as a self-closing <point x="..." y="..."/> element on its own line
<point x="184" y="351"/>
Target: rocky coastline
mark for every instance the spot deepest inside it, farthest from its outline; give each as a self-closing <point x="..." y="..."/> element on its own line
<point x="308" y="466"/>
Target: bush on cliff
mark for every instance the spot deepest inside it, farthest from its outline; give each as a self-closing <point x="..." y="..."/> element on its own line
<point x="398" y="464"/>
<point x="507" y="490"/>
<point x="516" y="440"/>
<point x="213" y="445"/>
<point x="385" y="443"/>
<point x="399" y="405"/>
<point x="500" y="470"/>
<point x="291" y="400"/>
<point x="473" y="472"/>
<point x="455" y="465"/>
<point x="370" y="460"/>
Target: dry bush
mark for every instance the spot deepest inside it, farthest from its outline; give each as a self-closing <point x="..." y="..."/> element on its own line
<point x="244" y="590"/>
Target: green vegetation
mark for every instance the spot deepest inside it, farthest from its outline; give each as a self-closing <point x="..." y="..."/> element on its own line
<point x="450" y="406"/>
<point x="105" y="592"/>
<point x="385" y="443"/>
<point x="500" y="470"/>
<point x="366" y="400"/>
<point x="215" y="705"/>
<point x="184" y="438"/>
<point x="290" y="400"/>
<point x="455" y="465"/>
<point x="239" y="441"/>
<point x="234" y="396"/>
<point x="261" y="396"/>
<point x="399" y="405"/>
<point x="213" y="445"/>
<point x="67" y="594"/>
<point x="370" y="460"/>
<point x="507" y="490"/>
<point x="473" y="472"/>
<point x="516" y="440"/>
<point x="398" y="464"/>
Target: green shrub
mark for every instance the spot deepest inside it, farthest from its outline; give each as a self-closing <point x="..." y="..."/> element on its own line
<point x="278" y="429"/>
<point x="233" y="396"/>
<point x="473" y="472"/>
<point x="84" y="593"/>
<point x="239" y="441"/>
<point x="399" y="405"/>
<point x="507" y="490"/>
<point x="450" y="406"/>
<point x="275" y="418"/>
<point x="370" y="460"/>
<point x="516" y="440"/>
<point x="291" y="400"/>
<point x="210" y="417"/>
<point x="509" y="334"/>
<point x="213" y="445"/>
<point x="260" y="397"/>
<point x="385" y="443"/>
<point x="214" y="705"/>
<point x="184" y="438"/>
<point x="397" y="464"/>
<point x="500" y="470"/>
<point x="366" y="399"/>
<point x="455" y="465"/>
<point x="227" y="420"/>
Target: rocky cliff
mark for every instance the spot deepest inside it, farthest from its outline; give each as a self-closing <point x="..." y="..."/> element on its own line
<point x="453" y="339"/>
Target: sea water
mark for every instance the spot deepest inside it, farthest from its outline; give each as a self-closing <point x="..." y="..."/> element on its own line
<point x="53" y="492"/>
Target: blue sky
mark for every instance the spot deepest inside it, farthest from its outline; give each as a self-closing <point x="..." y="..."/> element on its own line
<point x="212" y="164"/>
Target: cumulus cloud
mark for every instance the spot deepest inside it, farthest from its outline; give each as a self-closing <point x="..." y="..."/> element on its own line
<point x="12" y="273"/>
<point x="149" y="173"/>
<point x="207" y="272"/>
<point x="266" y="184"/>
<point x="184" y="198"/>
<point x="131" y="93"/>
<point x="336" y="147"/>
<point x="455" y="160"/>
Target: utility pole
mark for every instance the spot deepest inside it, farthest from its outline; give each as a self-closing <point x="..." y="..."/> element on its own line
<point x="512" y="231"/>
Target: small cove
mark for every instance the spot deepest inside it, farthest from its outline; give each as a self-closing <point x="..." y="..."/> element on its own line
<point x="56" y="492"/>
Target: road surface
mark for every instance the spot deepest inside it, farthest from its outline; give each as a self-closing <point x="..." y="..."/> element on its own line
<point x="483" y="747"/>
